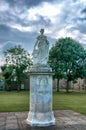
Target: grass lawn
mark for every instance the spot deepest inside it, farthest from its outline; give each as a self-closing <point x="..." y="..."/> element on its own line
<point x="19" y="101"/>
<point x="70" y="101"/>
<point x="14" y="101"/>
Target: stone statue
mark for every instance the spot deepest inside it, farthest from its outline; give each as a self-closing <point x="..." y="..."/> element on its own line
<point x="41" y="49"/>
<point x="40" y="74"/>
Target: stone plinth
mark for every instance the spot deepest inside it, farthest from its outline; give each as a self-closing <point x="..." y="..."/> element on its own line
<point x="40" y="113"/>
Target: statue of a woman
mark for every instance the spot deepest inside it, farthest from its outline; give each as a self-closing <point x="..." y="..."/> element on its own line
<point x="41" y="49"/>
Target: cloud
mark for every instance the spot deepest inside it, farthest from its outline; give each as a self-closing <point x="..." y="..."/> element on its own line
<point x="3" y="6"/>
<point x="83" y="10"/>
<point x="21" y="20"/>
<point x="44" y="9"/>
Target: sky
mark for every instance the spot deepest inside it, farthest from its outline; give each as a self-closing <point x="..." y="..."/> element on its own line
<point x="21" y="21"/>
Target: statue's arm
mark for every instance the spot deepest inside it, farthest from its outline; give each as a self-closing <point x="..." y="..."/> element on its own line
<point x="36" y="44"/>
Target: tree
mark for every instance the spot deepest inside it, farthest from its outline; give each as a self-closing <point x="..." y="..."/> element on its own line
<point x="67" y="59"/>
<point x="7" y="74"/>
<point x="17" y="63"/>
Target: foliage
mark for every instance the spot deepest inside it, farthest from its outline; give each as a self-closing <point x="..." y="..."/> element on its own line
<point x="7" y="74"/>
<point x="17" y="63"/>
<point x="68" y="59"/>
<point x="1" y="78"/>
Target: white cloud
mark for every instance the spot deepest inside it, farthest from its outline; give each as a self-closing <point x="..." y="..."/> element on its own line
<point x="60" y="19"/>
<point x="21" y="28"/>
<point x="45" y="10"/>
<point x="3" y="6"/>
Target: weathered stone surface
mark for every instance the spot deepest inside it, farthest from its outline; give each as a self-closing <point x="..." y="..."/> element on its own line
<point x="11" y="123"/>
<point x="61" y="124"/>
<point x="40" y="113"/>
<point x="40" y="68"/>
<point x="41" y="49"/>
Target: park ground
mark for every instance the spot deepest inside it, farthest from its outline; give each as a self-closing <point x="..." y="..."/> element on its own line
<point x="19" y="101"/>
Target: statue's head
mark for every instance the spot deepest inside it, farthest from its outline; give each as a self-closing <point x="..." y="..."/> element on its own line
<point x="42" y="31"/>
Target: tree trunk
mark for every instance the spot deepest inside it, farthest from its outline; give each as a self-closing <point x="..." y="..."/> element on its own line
<point x="67" y="87"/>
<point x="73" y="86"/>
<point x="57" y="85"/>
<point x="19" y="86"/>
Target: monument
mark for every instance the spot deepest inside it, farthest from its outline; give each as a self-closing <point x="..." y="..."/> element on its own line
<point x="40" y="113"/>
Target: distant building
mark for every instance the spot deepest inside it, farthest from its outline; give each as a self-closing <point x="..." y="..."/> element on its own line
<point x="79" y="85"/>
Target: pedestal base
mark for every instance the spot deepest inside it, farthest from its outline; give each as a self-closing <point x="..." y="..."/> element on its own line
<point x="40" y="113"/>
<point x="40" y="119"/>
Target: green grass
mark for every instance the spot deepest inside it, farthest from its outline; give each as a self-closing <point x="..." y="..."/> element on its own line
<point x="14" y="101"/>
<point x="75" y="101"/>
<point x="19" y="101"/>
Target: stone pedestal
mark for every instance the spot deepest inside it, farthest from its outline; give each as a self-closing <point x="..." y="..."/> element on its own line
<point x="40" y="113"/>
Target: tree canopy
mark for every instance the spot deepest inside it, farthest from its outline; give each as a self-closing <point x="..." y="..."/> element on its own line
<point x="17" y="63"/>
<point x="68" y="59"/>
